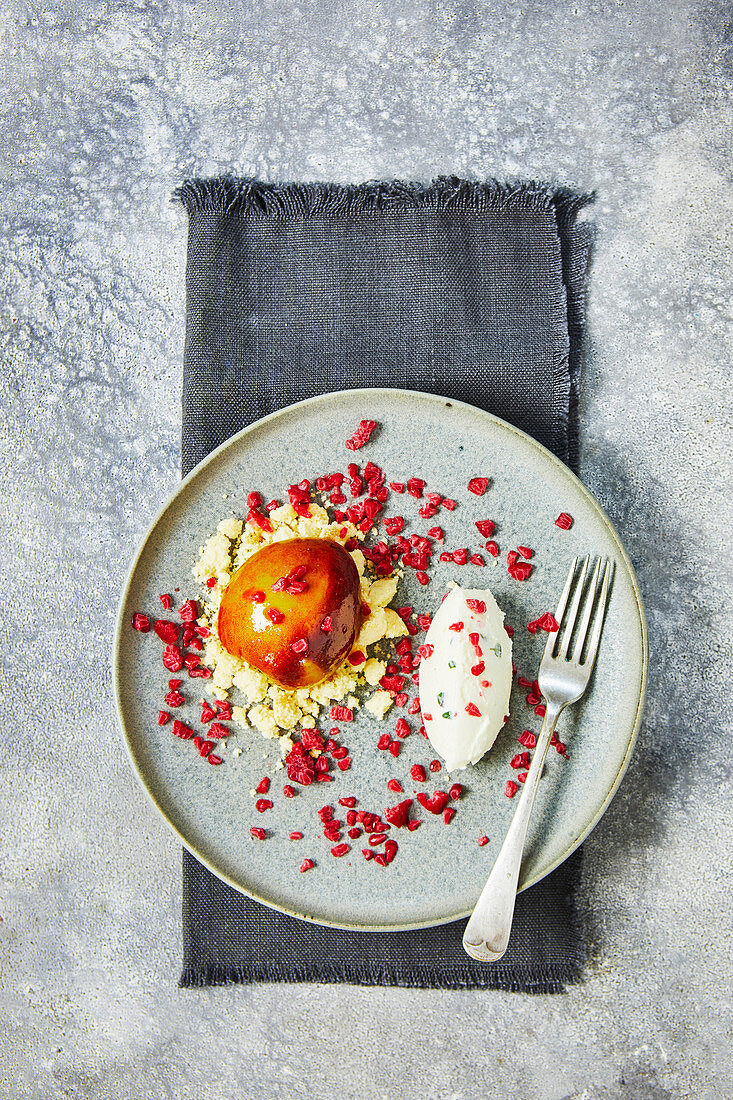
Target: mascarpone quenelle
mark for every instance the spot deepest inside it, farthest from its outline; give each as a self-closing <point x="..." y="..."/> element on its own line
<point x="465" y="676"/>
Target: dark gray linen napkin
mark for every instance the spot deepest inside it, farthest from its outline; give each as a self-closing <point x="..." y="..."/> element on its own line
<point x="473" y="291"/>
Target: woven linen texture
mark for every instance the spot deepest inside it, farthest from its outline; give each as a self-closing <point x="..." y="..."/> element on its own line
<point x="473" y="291"/>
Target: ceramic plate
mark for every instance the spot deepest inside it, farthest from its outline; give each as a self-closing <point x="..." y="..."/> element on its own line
<point x="440" y="869"/>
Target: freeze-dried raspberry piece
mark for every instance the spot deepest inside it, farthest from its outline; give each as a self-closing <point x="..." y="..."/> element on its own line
<point x="166" y="630"/>
<point x="435" y="804"/>
<point x="478" y="485"/>
<point x="173" y="658"/>
<point x="207" y="712"/>
<point x="546" y="622"/>
<point x="362" y="435"/>
<point x="218" y="732"/>
<point x="415" y="486"/>
<point x="189" y="611"/>
<point x="342" y="714"/>
<point x="300" y="766"/>
<point x="398" y="815"/>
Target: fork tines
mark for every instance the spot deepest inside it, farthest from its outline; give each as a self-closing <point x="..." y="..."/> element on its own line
<point x="592" y="597"/>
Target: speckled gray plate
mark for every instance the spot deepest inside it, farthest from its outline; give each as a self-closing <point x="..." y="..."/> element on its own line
<point x="439" y="870"/>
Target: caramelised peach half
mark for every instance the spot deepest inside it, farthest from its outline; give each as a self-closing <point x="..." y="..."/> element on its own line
<point x="292" y="610"/>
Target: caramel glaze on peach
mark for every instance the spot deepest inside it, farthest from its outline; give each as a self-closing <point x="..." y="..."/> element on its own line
<point x="315" y="600"/>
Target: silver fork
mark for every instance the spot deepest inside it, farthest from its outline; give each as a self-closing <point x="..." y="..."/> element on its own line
<point x="563" y="677"/>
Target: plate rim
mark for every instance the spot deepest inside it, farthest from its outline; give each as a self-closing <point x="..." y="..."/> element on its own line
<point x="232" y="442"/>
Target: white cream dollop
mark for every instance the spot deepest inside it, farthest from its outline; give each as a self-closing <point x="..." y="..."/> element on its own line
<point x="464" y="705"/>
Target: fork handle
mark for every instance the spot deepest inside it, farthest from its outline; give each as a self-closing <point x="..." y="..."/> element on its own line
<point x="487" y="932"/>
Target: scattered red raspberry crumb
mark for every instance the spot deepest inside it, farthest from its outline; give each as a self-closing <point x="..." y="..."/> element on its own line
<point x="546" y="622"/>
<point x="362" y="435"/>
<point x="166" y="631"/>
<point x="435" y="804"/>
<point x="478" y="485"/>
<point x="398" y="815"/>
<point x="342" y="714"/>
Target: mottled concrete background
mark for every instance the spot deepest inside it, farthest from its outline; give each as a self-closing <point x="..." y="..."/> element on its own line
<point x="105" y="108"/>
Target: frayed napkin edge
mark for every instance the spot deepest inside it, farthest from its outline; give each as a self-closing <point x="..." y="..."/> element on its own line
<point x="229" y="195"/>
<point x="508" y="979"/>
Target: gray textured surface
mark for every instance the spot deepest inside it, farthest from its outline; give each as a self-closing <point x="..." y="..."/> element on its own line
<point x="105" y="108"/>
